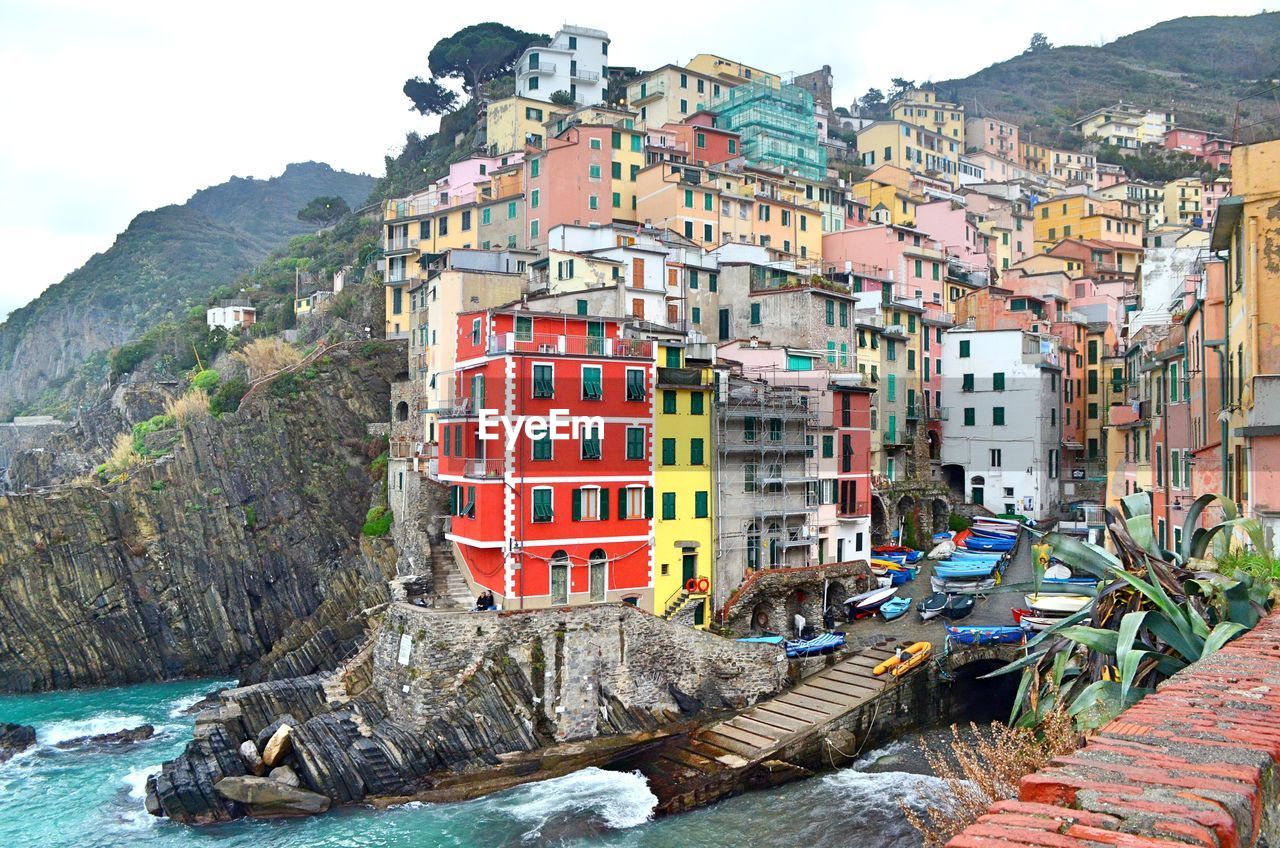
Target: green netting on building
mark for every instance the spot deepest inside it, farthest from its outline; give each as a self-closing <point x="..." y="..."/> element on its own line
<point x="777" y="126"/>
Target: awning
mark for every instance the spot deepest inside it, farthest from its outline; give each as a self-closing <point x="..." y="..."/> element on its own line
<point x="1229" y="211"/>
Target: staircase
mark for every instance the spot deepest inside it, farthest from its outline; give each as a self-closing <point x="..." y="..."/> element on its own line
<point x="450" y="587"/>
<point x="718" y="760"/>
<point x="674" y="605"/>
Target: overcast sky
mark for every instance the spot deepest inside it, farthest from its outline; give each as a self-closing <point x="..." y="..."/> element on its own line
<point x="111" y="108"/>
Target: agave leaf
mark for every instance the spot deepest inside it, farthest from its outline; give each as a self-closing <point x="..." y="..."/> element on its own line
<point x="1240" y="606"/>
<point x="1199" y="625"/>
<point x="1139" y="503"/>
<point x="1017" y="665"/>
<point x="1190" y="526"/>
<point x="1221" y="635"/>
<point x="1056" y="628"/>
<point x="1020" y="698"/>
<point x="1130" y="624"/>
<point x="1141" y="531"/>
<point x="1081" y="556"/>
<point x="1129" y="671"/>
<point x="1100" y="695"/>
<point x="1097" y="639"/>
<point x="1153" y="591"/>
<point x="1177" y="634"/>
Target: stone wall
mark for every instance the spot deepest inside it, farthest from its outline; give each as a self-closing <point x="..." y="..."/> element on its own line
<point x="567" y="674"/>
<point x="239" y="546"/>
<point x="770" y="598"/>
<point x="1193" y="764"/>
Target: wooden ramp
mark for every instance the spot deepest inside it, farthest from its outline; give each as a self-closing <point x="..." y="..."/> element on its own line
<point x="725" y="758"/>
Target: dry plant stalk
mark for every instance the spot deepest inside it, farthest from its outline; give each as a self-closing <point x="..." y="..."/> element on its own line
<point x="193" y="406"/>
<point x="986" y="766"/>
<point x="267" y="355"/>
<point x="122" y="456"/>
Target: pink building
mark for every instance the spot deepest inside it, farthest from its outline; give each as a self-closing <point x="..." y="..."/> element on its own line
<point x="569" y="182"/>
<point x="906" y="259"/>
<point x="1201" y="144"/>
<point x="950" y="223"/>
<point x="999" y="138"/>
<point x="1212" y="193"/>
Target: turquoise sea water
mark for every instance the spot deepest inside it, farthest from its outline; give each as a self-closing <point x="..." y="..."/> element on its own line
<point x="57" y="798"/>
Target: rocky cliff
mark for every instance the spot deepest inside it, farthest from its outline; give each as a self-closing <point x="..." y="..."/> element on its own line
<point x="238" y="553"/>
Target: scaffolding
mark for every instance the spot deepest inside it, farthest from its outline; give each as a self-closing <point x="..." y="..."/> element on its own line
<point x="767" y="427"/>
<point x="778" y="127"/>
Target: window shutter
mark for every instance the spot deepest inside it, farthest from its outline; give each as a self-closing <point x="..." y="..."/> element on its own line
<point x="577" y="504"/>
<point x="622" y="502"/>
<point x="648" y="502"/>
<point x="604" y="504"/>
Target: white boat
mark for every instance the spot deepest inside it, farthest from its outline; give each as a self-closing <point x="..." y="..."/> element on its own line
<point x="1058" y="604"/>
<point x="942" y="550"/>
<point x="962" y="587"/>
<point x="1039" y="622"/>
<point x="884" y="582"/>
<point x="869" y="600"/>
<point x="1057" y="571"/>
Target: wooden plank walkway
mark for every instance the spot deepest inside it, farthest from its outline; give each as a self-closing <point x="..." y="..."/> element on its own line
<point x="711" y="762"/>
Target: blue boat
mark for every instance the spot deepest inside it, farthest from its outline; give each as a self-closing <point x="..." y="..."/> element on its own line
<point x="981" y="543"/>
<point x="978" y="635"/>
<point x="952" y="570"/>
<point x="766" y="640"/>
<point x="824" y="644"/>
<point x="961" y="553"/>
<point x="894" y="608"/>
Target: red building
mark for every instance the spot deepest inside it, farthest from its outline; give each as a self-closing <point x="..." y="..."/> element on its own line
<point x="851" y="410"/>
<point x="547" y="450"/>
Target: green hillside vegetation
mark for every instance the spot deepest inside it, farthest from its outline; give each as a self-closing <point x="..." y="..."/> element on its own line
<point x="1196" y="67"/>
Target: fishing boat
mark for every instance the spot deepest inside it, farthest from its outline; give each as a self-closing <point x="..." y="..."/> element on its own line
<point x="818" y="645"/>
<point x="951" y="569"/>
<point x="897" y="553"/>
<point x="894" y="608"/>
<point x="948" y="606"/>
<point x="904" y="659"/>
<point x="1057" y="604"/>
<point x="942" y="549"/>
<point x="984" y="543"/>
<point x="980" y="635"/>
<point x="962" y="554"/>
<point x="962" y="587"/>
<point x="945" y="534"/>
<point x="991" y="522"/>
<point x="995" y="532"/>
<point x="861" y="606"/>
<point x="1028" y="619"/>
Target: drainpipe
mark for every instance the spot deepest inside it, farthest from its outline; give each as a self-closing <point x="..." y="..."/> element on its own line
<point x="1219" y="347"/>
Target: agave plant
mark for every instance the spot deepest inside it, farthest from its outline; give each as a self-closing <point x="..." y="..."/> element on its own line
<point x="1152" y="614"/>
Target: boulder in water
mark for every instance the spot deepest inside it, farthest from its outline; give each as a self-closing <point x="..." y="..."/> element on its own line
<point x="140" y="733"/>
<point x="15" y="738"/>
<point x="263" y="797"/>
<point x="252" y="759"/>
<point x="285" y="775"/>
<point x="279" y="746"/>
<point x="264" y="735"/>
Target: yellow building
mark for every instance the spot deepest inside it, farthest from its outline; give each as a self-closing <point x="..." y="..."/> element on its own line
<point x="729" y="71"/>
<point x="921" y="107"/>
<point x="1183" y="202"/>
<point x="684" y="486"/>
<point x="911" y="147"/>
<point x="514" y="122"/>
<point x="888" y="195"/>
<point x="1086" y="216"/>
<point x="667" y="196"/>
<point x="672" y="93"/>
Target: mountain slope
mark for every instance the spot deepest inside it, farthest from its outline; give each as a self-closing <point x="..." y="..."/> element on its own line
<point x="1196" y="67"/>
<point x="165" y="261"/>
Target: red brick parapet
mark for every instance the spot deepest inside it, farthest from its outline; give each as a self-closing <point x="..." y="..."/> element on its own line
<point x="1193" y="764"/>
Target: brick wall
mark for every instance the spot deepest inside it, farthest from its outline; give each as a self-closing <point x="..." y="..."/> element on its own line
<point x="1193" y="764"/>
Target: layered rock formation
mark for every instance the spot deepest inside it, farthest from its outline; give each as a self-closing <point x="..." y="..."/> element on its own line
<point x="236" y="554"/>
<point x="458" y="702"/>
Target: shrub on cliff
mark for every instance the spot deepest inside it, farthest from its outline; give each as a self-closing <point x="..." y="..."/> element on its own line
<point x="265" y="356"/>
<point x="193" y="406"/>
<point x="227" y="397"/>
<point x="377" y="522"/>
<point x="207" y="380"/>
<point x="145" y="428"/>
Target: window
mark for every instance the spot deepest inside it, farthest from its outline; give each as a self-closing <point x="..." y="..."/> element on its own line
<point x="697" y="402"/>
<point x="697" y="315"/>
<point x="533" y="198"/>
<point x="485" y="217"/>
<point x="688" y="198"/>
<point x="668" y="506"/>
<point x="750" y="477"/>
<point x="997" y="381"/>
<point x="635" y="384"/>
<point x="542" y="511"/>
<point x="592" y="388"/>
<point x="701" y="505"/>
<point x="828" y="447"/>
<point x="831" y="313"/>
<point x="581" y="307"/>
<point x="966" y="383"/>
<point x="970" y="416"/>
<point x="668" y="451"/>
<point x="995" y="457"/>
<point x="755" y="314"/>
<point x="997" y="416"/>
<point x="696" y="452"/>
<point x="595" y="144"/>
<point x="593" y="202"/>
<point x="543" y="381"/>
<point x="668" y="402"/>
<point x="635" y="502"/>
<point x="964" y="348"/>
<point x="511" y="210"/>
<point x="475" y="329"/>
<point x="588" y="504"/>
<point x="701" y="138"/>
<point x="635" y="443"/>
<point x="593" y="171"/>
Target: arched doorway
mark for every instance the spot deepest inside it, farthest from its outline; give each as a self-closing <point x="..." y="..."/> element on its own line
<point x="760" y="617"/>
<point x="402" y="411"/>
<point x="953" y="476"/>
<point x="935" y="446"/>
<point x="559" y="578"/>
<point x="977" y="490"/>
<point x="908" y="521"/>
<point x="879" y="519"/>
<point x="795" y="606"/>
<point x="596" y="574"/>
<point x="941" y="514"/>
<point x="836" y="593"/>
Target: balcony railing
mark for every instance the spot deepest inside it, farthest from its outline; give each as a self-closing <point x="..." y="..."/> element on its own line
<point x="555" y="345"/>
<point x="401" y="244"/>
<point x="585" y="76"/>
<point x="540" y="68"/>
<point x="895" y="438"/>
<point x="482" y="468"/>
<point x="939" y="413"/>
<point x="684" y="377"/>
<point x="651" y="91"/>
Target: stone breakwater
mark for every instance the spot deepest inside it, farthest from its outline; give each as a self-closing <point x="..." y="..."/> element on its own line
<point x="453" y="704"/>
<point x="236" y="554"/>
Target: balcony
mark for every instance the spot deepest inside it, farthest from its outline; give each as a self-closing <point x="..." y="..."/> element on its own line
<point x="548" y="344"/>
<point x="400" y="245"/>
<point x="895" y="438"/>
<point x="683" y="378"/>
<point x="914" y="411"/>
<point x="939" y="413"/>
<point x="652" y="91"/>
<point x="584" y="76"/>
<point x="481" y="468"/>
<point x="548" y="68"/>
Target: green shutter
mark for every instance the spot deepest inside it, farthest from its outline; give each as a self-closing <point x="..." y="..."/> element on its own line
<point x="668" y="506"/>
<point x="695" y="452"/>
<point x="700" y="508"/>
<point x="668" y="451"/>
<point x="577" y="504"/>
<point x="604" y="504"/>
<point x="997" y="381"/>
<point x="696" y="401"/>
<point x="648" y="502"/>
<point x="622" y="502"/>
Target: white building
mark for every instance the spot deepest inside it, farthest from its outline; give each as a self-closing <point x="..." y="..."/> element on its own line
<point x="230" y="315"/>
<point x="1002" y="434"/>
<point x="575" y="61"/>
